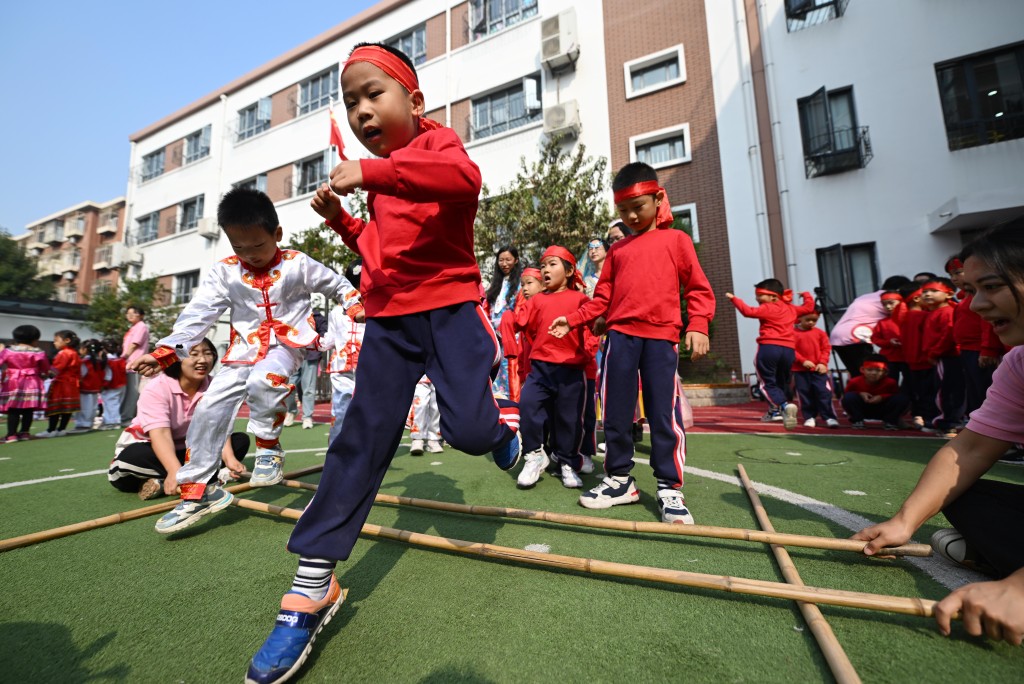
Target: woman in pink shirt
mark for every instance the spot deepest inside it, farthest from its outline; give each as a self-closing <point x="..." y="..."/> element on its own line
<point x="152" y="449"/>
<point x="136" y="343"/>
<point x="985" y="514"/>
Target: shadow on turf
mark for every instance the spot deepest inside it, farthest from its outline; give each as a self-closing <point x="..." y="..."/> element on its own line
<point x="46" y="652"/>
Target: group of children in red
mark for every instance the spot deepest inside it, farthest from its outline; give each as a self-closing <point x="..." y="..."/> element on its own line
<point x="80" y="375"/>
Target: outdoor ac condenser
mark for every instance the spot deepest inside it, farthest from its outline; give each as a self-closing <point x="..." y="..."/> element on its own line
<point x="559" y="45"/>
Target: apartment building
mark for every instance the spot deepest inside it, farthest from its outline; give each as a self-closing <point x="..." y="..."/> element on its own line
<point x="80" y="248"/>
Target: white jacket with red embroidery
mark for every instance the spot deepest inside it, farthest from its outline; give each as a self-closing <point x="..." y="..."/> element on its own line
<point x="346" y="336"/>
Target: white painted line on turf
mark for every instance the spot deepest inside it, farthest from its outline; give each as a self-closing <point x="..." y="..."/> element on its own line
<point x="66" y="470"/>
<point x="436" y="463"/>
<point x="5" y="458"/>
<point x="854" y="492"/>
<point x="8" y="485"/>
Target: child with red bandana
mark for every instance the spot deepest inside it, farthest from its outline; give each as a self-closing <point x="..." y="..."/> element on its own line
<point x="939" y="348"/>
<point x="421" y="287"/>
<point x="886" y="335"/>
<point x="921" y="383"/>
<point x="639" y="294"/>
<point x="516" y="346"/>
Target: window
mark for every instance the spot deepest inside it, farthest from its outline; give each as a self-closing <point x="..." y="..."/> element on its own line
<point x="312" y="172"/>
<point x="832" y="140"/>
<point x="101" y="286"/>
<point x="189" y="213"/>
<point x="185" y="285"/>
<point x="148" y="228"/>
<point x="845" y="273"/>
<point x="70" y="293"/>
<point x="801" y="14"/>
<point x="659" y="70"/>
<point x="197" y="145"/>
<point x="666" y="147"/>
<point x="491" y="16"/>
<point x="413" y="43"/>
<point x="153" y="165"/>
<point x="254" y="119"/>
<point x="255" y="183"/>
<point x="983" y="97"/>
<point x="318" y="91"/>
<point x="507" y="109"/>
<point x="686" y="218"/>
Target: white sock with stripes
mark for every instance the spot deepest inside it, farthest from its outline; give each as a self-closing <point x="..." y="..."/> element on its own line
<point x="313" y="577"/>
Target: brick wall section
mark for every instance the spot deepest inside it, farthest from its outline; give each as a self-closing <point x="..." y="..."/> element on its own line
<point x="460" y="119"/>
<point x="460" y="25"/>
<point x="173" y="155"/>
<point x="437" y="115"/>
<point x="633" y="30"/>
<point x="168" y="216"/>
<point x="283" y="105"/>
<point x="435" y="36"/>
<point x="167" y="282"/>
<point x="279" y="183"/>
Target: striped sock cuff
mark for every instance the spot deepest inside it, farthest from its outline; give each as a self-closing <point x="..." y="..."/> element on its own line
<point x="313" y="577"/>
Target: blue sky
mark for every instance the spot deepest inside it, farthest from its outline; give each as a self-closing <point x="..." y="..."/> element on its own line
<point x="77" y="78"/>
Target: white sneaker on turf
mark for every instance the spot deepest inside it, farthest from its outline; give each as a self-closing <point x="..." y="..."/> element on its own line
<point x="673" y="507"/>
<point x="601" y="447"/>
<point x="289" y="419"/>
<point x="416" y="447"/>
<point x="613" y="491"/>
<point x="434" y="446"/>
<point x="588" y="465"/>
<point x="789" y="416"/>
<point x="536" y="462"/>
<point x="269" y="468"/>
<point x="810" y="423"/>
<point x="307" y="423"/>
<point x="188" y="512"/>
<point x="569" y="477"/>
<point x="831" y="423"/>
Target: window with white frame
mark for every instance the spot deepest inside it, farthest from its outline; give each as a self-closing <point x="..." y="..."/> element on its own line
<point x="189" y="213"/>
<point x="665" y="147"/>
<point x="490" y="16"/>
<point x="148" y="228"/>
<point x="413" y="43"/>
<point x="185" y="285"/>
<point x="318" y="91"/>
<point x="197" y="145"/>
<point x="653" y="72"/>
<point x="255" y="183"/>
<point x="153" y="164"/>
<point x="686" y="218"/>
<point x="507" y="109"/>
<point x="310" y="173"/>
<point x="70" y="294"/>
<point x="254" y="119"/>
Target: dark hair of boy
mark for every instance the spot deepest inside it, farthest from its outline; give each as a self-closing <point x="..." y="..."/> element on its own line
<point x="924" y="276"/>
<point x="70" y="337"/>
<point x="875" y="357"/>
<point x="908" y="289"/>
<point x="26" y="334"/>
<point x="174" y="370"/>
<point x="247" y="207"/>
<point x="1002" y="250"/>
<point x="112" y="345"/>
<point x="895" y="282"/>
<point x="393" y="50"/>
<point x="97" y="354"/>
<point x="816" y="313"/>
<point x="772" y="284"/>
<point x="941" y="279"/>
<point x="353" y="271"/>
<point x="633" y="173"/>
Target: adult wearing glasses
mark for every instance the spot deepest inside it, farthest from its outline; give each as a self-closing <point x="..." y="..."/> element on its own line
<point x="591" y="263"/>
<point x="617" y="231"/>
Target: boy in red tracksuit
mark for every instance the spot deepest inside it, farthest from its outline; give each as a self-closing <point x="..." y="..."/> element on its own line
<point x="922" y="385"/>
<point x="555" y="390"/>
<point x="886" y="335"/>
<point x="873" y="395"/>
<point x="421" y="289"/>
<point x="810" y="371"/>
<point x="775" y="341"/>
<point x="979" y="346"/>
<point x="639" y="293"/>
<point x="939" y="349"/>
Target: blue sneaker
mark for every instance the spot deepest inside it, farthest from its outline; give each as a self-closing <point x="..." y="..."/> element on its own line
<point x="291" y="641"/>
<point x="189" y="511"/>
<point x="269" y="468"/>
<point x="507" y="455"/>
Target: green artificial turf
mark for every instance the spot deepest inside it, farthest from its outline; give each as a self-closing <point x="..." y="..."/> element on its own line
<point x="125" y="604"/>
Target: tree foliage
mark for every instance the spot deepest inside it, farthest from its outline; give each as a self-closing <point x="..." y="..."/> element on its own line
<point x="106" y="309"/>
<point x="561" y="199"/>
<point x="19" y="274"/>
<point x="323" y="244"/>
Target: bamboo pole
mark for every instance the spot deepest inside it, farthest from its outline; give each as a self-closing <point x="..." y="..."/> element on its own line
<point x="759" y="536"/>
<point x="838" y="662"/>
<point x="736" y="585"/>
<point x="124" y="516"/>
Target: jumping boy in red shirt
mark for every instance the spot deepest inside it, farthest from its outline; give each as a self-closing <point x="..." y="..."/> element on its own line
<point x="639" y="293"/>
<point x="421" y="287"/>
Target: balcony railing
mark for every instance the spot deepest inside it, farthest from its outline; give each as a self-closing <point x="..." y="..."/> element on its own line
<point x="102" y="257"/>
<point x="842" y="150"/>
<point x="74" y="229"/>
<point x="108" y="224"/>
<point x="801" y="14"/>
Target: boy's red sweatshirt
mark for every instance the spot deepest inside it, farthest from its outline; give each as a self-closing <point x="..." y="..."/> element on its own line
<point x="937" y="337"/>
<point x="417" y="247"/>
<point x="886" y="387"/>
<point x="777" y="319"/>
<point x="576" y="349"/>
<point x="884" y="335"/>
<point x="972" y="333"/>
<point x="911" y="331"/>
<point x="638" y="292"/>
<point x="810" y="345"/>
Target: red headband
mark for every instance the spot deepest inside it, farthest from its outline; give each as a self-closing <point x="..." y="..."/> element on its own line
<point x="892" y="295"/>
<point x="937" y="285"/>
<point x="386" y="62"/>
<point x="912" y="296"/>
<point x="565" y="255"/>
<point x="664" y="217"/>
<point x="786" y="296"/>
<point x="532" y="272"/>
<point x="873" y="364"/>
<point x="954" y="264"/>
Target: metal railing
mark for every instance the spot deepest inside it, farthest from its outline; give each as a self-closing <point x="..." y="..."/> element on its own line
<point x="841" y="150"/>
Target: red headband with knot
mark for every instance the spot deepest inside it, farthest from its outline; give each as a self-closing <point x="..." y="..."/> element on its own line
<point x="891" y="295"/>
<point x="664" y="218"/>
<point x="937" y="285"/>
<point x="532" y="272"/>
<point x="565" y="255"/>
<point x="874" y="364"/>
<point x="912" y="296"/>
<point x="394" y="67"/>
<point x="954" y="264"/>
<point x="786" y="296"/>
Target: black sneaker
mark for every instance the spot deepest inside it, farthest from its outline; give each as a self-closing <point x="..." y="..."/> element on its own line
<point x="637" y="432"/>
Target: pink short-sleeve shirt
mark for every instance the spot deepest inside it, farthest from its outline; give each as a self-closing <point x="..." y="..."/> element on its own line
<point x="1002" y="415"/>
<point x="163" y="404"/>
<point x="139" y="334"/>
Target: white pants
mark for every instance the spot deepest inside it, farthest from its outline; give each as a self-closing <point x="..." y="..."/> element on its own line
<point x="112" y="405"/>
<point x="426" y="416"/>
<point x="343" y="385"/>
<point x="263" y="386"/>
<point x="87" y="410"/>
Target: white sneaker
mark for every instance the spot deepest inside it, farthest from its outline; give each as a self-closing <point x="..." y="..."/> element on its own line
<point x="569" y="477"/>
<point x="601" y="447"/>
<point x="289" y="419"/>
<point x="307" y="423"/>
<point x="416" y="447"/>
<point x="810" y="423"/>
<point x="536" y="462"/>
<point x="46" y="434"/>
<point x="673" y="507"/>
<point x="831" y="423"/>
<point x="434" y="446"/>
<point x="613" y="491"/>
<point x="588" y="465"/>
<point x="269" y="467"/>
<point x="789" y="416"/>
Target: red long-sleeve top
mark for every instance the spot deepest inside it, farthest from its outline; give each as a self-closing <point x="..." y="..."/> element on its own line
<point x="937" y="336"/>
<point x="972" y="332"/>
<point x="118" y="374"/>
<point x="638" y="292"/>
<point x="886" y="387"/>
<point x="576" y="349"/>
<point x="885" y="336"/>
<point x="810" y="345"/>
<point x="417" y="247"/>
<point x="911" y="331"/>
<point x="777" y="319"/>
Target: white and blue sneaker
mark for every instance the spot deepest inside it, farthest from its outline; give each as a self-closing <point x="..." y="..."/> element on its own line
<point x="673" y="507"/>
<point x="189" y="511"/>
<point x="613" y="491"/>
<point x="536" y="462"/>
<point x="570" y="479"/>
<point x="269" y="468"/>
<point x="507" y="455"/>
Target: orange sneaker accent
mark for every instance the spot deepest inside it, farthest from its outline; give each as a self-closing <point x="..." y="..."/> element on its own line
<point x="304" y="604"/>
<point x="192" y="491"/>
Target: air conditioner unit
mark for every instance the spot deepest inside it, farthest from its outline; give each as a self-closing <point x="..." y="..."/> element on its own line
<point x="124" y="255"/>
<point x="208" y="228"/>
<point x="559" y="46"/>
<point x="562" y="119"/>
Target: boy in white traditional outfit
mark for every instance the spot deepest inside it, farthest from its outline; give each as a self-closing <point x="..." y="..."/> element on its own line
<point x="267" y="290"/>
<point x="426" y="419"/>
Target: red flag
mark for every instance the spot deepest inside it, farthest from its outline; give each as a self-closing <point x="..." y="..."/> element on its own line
<point x="336" y="135"/>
